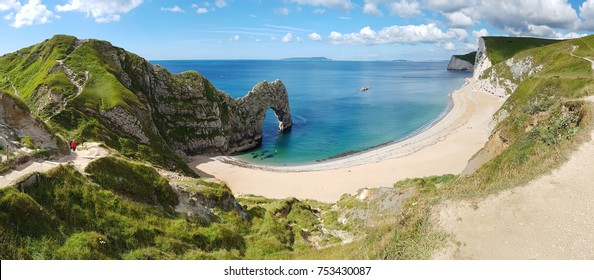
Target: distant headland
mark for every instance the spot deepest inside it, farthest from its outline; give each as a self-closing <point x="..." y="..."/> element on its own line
<point x="318" y="58"/>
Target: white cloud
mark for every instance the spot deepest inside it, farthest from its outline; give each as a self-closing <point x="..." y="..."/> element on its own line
<point x="201" y="11"/>
<point x="34" y="12"/>
<point x="448" y="6"/>
<point x="235" y="38"/>
<point x="6" y="5"/>
<point x="287" y="38"/>
<point x="402" y="8"/>
<point x="459" y="19"/>
<point x="405" y="8"/>
<point x="449" y="46"/>
<point x="283" y="11"/>
<point x="476" y="34"/>
<point x="547" y="32"/>
<point x="174" y="9"/>
<point x="332" y="4"/>
<point x="480" y="33"/>
<point x="315" y="37"/>
<point x="101" y="11"/>
<point x="396" y="34"/>
<point x="526" y="17"/>
<point x="587" y="14"/>
<point x="319" y="11"/>
<point x="221" y="3"/>
<point x="372" y="9"/>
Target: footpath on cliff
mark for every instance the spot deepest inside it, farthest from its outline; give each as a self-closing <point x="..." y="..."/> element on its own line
<point x="551" y="217"/>
<point x="84" y="154"/>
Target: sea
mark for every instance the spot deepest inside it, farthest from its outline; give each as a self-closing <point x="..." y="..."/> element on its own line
<point x="332" y="116"/>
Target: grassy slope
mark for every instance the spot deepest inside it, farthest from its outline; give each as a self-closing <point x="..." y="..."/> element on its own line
<point x="33" y="69"/>
<point x="470" y="57"/>
<point x="500" y="49"/>
<point x="128" y="215"/>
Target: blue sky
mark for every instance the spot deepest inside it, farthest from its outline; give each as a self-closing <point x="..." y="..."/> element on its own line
<point x="266" y="29"/>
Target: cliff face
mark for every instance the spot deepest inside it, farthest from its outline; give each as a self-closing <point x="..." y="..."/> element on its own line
<point x="482" y="61"/>
<point x="502" y="79"/>
<point x="95" y="91"/>
<point x="462" y="62"/>
<point x="457" y="64"/>
<point x="17" y="122"/>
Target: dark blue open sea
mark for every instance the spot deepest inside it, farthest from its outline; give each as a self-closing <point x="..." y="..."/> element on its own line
<point x="331" y="115"/>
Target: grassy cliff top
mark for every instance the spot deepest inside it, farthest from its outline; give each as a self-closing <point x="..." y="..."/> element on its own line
<point x="503" y="48"/>
<point x="470" y="57"/>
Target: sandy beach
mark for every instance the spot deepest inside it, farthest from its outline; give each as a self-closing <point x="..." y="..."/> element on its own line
<point x="443" y="148"/>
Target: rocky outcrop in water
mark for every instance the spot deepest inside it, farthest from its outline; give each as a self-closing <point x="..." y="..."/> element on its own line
<point x="248" y="114"/>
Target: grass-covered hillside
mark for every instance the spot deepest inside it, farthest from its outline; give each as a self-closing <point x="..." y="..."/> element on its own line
<point x="545" y="116"/>
<point x="81" y="89"/>
<point x="504" y="48"/>
<point x="121" y="209"/>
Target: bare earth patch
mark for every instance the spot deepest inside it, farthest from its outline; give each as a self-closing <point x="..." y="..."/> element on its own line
<point x="85" y="153"/>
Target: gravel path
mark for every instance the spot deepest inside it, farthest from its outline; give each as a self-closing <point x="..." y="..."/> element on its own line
<point x="85" y="153"/>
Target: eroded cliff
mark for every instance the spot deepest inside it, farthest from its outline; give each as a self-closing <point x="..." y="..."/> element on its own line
<point x="91" y="90"/>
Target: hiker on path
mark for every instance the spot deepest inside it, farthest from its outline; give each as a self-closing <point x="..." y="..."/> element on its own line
<point x="73" y="145"/>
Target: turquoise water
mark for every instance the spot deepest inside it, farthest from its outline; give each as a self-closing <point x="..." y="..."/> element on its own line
<point x="331" y="115"/>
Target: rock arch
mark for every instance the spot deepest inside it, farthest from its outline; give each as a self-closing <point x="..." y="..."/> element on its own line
<point x="249" y="113"/>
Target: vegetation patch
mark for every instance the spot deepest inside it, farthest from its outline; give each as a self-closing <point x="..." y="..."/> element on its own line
<point x="470" y="57"/>
<point x="133" y="180"/>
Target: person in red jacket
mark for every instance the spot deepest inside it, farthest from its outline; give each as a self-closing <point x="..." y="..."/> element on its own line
<point x="73" y="146"/>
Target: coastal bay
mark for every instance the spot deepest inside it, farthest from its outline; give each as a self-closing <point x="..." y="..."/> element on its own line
<point x="443" y="148"/>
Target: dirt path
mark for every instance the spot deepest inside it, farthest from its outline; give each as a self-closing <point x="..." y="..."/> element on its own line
<point x="584" y="58"/>
<point x="550" y="218"/>
<point x="85" y="153"/>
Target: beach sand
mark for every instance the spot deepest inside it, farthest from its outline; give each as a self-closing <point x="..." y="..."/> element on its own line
<point x="443" y="148"/>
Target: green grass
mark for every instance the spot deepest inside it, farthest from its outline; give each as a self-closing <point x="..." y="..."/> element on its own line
<point x="470" y="57"/>
<point x="64" y="215"/>
<point x="103" y="90"/>
<point x="135" y="181"/>
<point x="500" y="49"/>
<point x="70" y="217"/>
<point x="31" y="68"/>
